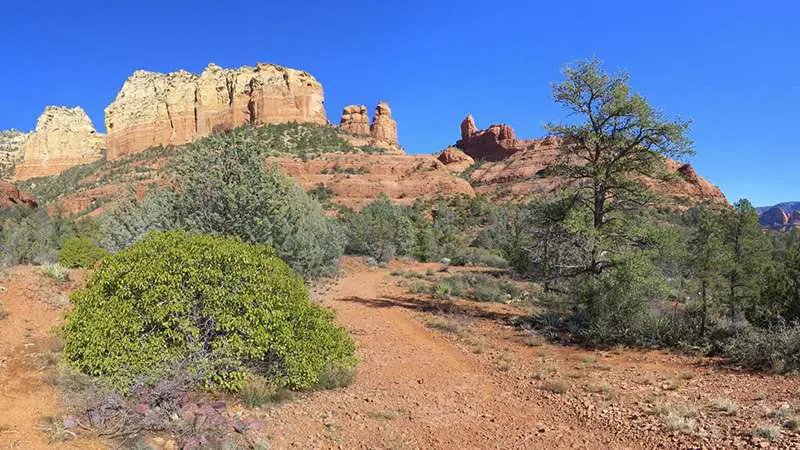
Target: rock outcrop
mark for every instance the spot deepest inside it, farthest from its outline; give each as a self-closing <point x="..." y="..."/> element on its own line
<point x="63" y="138"/>
<point x="492" y="144"/>
<point x="176" y="108"/>
<point x="513" y="168"/>
<point x="10" y="196"/>
<point x="11" y="143"/>
<point x="355" y="120"/>
<point x="383" y="127"/>
<point x="455" y="160"/>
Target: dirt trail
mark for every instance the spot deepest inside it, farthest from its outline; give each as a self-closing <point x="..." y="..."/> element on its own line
<point x="415" y="389"/>
<point x="32" y="304"/>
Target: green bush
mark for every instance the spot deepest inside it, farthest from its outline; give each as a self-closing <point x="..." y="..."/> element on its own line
<point x="775" y="350"/>
<point x="476" y="256"/>
<point x="80" y="253"/>
<point x="29" y="236"/>
<point x="223" y="308"/>
<point x="229" y="192"/>
<point x="381" y="230"/>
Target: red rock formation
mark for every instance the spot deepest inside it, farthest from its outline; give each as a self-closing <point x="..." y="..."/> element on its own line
<point x="492" y="144"/>
<point x="10" y="196"/>
<point x="384" y="128"/>
<point x="455" y="160"/>
<point x="155" y="109"/>
<point x="794" y="221"/>
<point x="63" y="138"/>
<point x="355" y="120"/>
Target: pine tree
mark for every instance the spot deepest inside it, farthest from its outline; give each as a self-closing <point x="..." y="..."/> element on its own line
<point x="707" y="255"/>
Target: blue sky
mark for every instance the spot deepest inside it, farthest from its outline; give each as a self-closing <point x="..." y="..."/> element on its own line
<point x="731" y="66"/>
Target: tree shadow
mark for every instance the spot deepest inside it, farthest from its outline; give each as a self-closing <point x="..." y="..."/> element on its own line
<point x="465" y="308"/>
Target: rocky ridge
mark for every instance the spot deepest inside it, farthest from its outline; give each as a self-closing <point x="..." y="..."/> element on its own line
<point x="64" y="137"/>
<point x="511" y="169"/>
<point x="176" y="108"/>
<point x="780" y="219"/>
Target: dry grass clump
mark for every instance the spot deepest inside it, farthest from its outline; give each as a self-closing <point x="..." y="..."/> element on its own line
<point x="726" y="405"/>
<point x="556" y="386"/>
<point x="768" y="432"/>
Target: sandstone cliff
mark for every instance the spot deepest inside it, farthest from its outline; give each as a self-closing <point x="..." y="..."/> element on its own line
<point x="63" y="138"/>
<point x="176" y="108"/>
<point x="11" y="143"/>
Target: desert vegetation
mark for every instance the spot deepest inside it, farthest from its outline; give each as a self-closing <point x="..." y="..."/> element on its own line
<point x="198" y="285"/>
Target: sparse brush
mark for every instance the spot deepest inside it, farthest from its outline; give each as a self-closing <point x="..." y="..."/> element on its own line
<point x="677" y="422"/>
<point x="556" y="386"/>
<point x="446" y="325"/>
<point x="727" y="406"/>
<point x="259" y="391"/>
<point x="597" y="388"/>
<point x="56" y="271"/>
<point x="792" y="423"/>
<point x="336" y="376"/>
<point x="768" y="432"/>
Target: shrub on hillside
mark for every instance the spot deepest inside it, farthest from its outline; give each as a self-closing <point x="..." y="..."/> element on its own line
<point x="223" y="308"/>
<point x="80" y="253"/>
<point x="381" y="230"/>
<point x="229" y="192"/>
<point x="29" y="236"/>
<point x="775" y="350"/>
<point x="476" y="256"/>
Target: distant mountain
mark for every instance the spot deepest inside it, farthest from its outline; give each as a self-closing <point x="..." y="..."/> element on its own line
<point x="789" y="207"/>
<point x="783" y="216"/>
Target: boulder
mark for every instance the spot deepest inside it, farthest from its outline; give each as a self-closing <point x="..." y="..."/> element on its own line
<point x="176" y="108"/>
<point x="452" y="155"/>
<point x="63" y="138"/>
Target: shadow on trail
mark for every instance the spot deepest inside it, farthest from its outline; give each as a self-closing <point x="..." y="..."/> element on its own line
<point x="434" y="306"/>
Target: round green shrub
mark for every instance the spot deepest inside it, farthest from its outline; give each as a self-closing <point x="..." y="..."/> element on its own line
<point x="219" y="307"/>
<point x="80" y="253"/>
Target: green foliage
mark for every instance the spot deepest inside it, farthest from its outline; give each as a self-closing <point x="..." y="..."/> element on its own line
<point x="47" y="189"/>
<point x="476" y="256"/>
<point x="381" y="230"/>
<point x="774" y="350"/>
<point x="479" y="286"/>
<point x="750" y="251"/>
<point x="80" y="252"/>
<point x="224" y="308"/>
<point x="56" y="271"/>
<point x="30" y="236"/>
<point x="228" y="191"/>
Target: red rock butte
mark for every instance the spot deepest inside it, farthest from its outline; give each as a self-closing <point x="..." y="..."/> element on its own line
<point x="176" y="108"/>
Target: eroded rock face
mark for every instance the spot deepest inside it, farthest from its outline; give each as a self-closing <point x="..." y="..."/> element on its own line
<point x="384" y="128"/>
<point x="355" y="120"/>
<point x="11" y="143"/>
<point x="775" y="217"/>
<point x="10" y="196"/>
<point x="492" y="144"/>
<point x="455" y="160"/>
<point x="516" y="168"/>
<point x="63" y="138"/>
<point x="176" y="108"/>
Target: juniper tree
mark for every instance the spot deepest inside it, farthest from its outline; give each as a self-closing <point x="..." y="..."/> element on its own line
<point x="617" y="140"/>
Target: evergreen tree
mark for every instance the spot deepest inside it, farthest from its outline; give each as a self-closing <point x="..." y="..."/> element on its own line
<point x="750" y="252"/>
<point x="707" y="258"/>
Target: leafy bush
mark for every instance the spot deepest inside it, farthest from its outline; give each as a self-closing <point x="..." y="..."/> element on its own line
<point x="775" y="350"/>
<point x="80" y="252"/>
<point x="132" y="219"/>
<point x="56" y="271"/>
<point x="381" y="230"/>
<point x="225" y="308"/>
